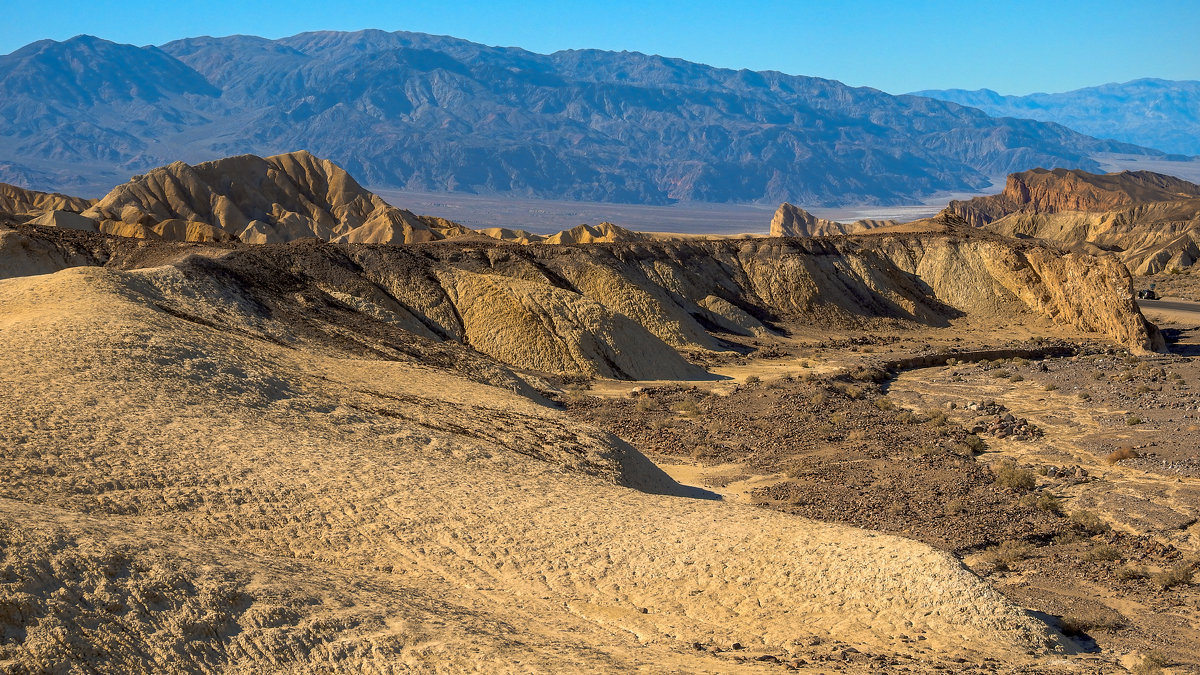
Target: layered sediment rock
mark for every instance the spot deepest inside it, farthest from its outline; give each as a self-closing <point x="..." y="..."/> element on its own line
<point x="259" y="200"/>
<point x="1062" y="190"/>
<point x="792" y="221"/>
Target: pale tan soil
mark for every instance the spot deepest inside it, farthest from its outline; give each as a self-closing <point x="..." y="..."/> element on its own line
<point x="183" y="497"/>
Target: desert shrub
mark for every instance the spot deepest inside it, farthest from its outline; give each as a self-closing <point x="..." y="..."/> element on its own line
<point x="865" y="374"/>
<point x="884" y="403"/>
<point x="850" y="391"/>
<point x="1010" y="475"/>
<point x="1043" y="502"/>
<point x="1068" y="537"/>
<point x="1050" y="387"/>
<point x="976" y="444"/>
<point x="1088" y="522"/>
<point x="818" y="398"/>
<point x="1084" y="396"/>
<point x="955" y="506"/>
<point x="1178" y="575"/>
<point x="645" y="404"/>
<point x="1018" y="361"/>
<point x="1097" y="375"/>
<point x="838" y="418"/>
<point x="1003" y="556"/>
<point x="1133" y="420"/>
<point x="1102" y="552"/>
<point x="1016" y="378"/>
<point x="1121" y="453"/>
<point x="906" y="417"/>
<point x="1150" y="664"/>
<point x="1001" y="374"/>
<point x="1129" y="572"/>
<point x="858" y="435"/>
<point x="925" y="450"/>
<point x="686" y="408"/>
<point x="575" y="395"/>
<point x="936" y="418"/>
<point x="1078" y="624"/>
<point x="753" y="379"/>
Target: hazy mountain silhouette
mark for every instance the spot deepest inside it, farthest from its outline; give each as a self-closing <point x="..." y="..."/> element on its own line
<point x="436" y="113"/>
<point x="1163" y="114"/>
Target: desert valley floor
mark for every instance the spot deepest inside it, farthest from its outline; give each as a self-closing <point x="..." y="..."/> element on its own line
<point x="450" y="457"/>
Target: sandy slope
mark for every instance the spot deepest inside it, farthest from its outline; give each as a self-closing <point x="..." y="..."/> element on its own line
<point x="182" y="497"/>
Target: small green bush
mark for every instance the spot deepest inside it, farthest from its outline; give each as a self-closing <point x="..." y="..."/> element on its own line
<point x="1179" y="575"/>
<point x="1088" y="522"/>
<point x="1010" y="475"/>
<point x="1102" y="552"/>
<point x="1003" y="556"/>
<point x="686" y="408"/>
<point x="975" y="443"/>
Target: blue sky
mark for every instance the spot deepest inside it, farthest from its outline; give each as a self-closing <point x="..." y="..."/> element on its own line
<point x="1014" y="47"/>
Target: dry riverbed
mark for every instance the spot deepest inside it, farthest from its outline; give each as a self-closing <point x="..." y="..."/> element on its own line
<point x="1072" y="483"/>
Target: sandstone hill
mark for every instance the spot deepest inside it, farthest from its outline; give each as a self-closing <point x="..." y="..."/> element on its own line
<point x="257" y="200"/>
<point x="1058" y="190"/>
<point x="19" y="201"/>
<point x="429" y="112"/>
<point x="1150" y="221"/>
<point x="792" y="221"/>
<point x="634" y="309"/>
<point x="262" y="200"/>
<point x="182" y="493"/>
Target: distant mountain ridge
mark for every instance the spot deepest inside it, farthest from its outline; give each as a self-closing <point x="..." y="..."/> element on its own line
<point x="415" y="111"/>
<point x="1162" y="114"/>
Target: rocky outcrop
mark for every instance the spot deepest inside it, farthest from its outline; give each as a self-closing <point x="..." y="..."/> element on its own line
<point x="581" y="234"/>
<point x="20" y="201"/>
<point x="634" y="310"/>
<point x="1062" y="190"/>
<point x="1150" y="221"/>
<point x="792" y="221"/>
<point x="1148" y="238"/>
<point x="260" y="200"/>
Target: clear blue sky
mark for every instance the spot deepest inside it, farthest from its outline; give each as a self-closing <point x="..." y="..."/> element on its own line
<point x="1014" y="47"/>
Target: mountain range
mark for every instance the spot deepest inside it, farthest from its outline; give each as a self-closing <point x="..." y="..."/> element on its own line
<point x="416" y="111"/>
<point x="1163" y="114"/>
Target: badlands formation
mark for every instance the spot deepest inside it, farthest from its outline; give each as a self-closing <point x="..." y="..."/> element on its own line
<point x="1149" y="220"/>
<point x="258" y="420"/>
